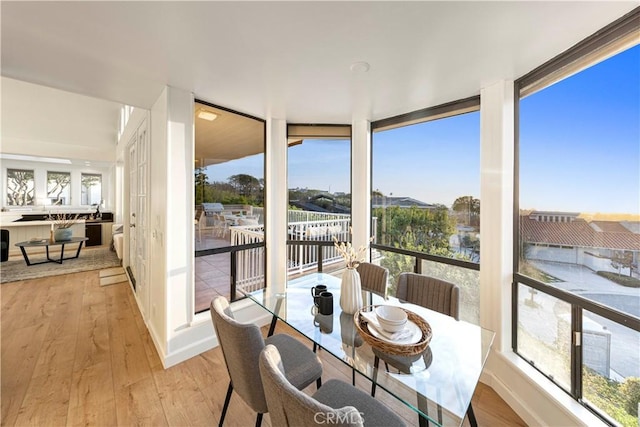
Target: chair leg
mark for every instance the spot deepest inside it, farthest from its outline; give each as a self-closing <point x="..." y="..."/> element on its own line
<point x="318" y="383"/>
<point x="226" y="403"/>
<point x="376" y="362"/>
<point x="353" y="377"/>
<point x="259" y="420"/>
<point x="472" y="416"/>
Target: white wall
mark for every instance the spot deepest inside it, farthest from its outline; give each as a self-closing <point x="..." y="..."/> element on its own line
<point x="42" y="121"/>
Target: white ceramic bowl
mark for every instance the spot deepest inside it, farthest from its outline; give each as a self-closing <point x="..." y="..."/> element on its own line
<point x="391" y="319"/>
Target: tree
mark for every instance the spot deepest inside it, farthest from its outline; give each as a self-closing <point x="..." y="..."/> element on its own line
<point x="201" y="182"/>
<point x="20" y="187"/>
<point x="57" y="182"/>
<point x="245" y="185"/>
<point x="468" y="210"/>
<point x="622" y="259"/>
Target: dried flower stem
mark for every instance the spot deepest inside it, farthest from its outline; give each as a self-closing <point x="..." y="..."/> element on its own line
<point x="351" y="256"/>
<point x="62" y="221"/>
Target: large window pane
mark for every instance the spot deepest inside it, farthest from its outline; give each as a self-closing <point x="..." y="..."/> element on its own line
<point x="91" y="185"/>
<point x="579" y="228"/>
<point x="611" y="368"/>
<point x="20" y="187"/>
<point x="426" y="180"/>
<point x="59" y="188"/>
<point x="319" y="181"/>
<point x="580" y="183"/>
<point x="229" y="202"/>
<point x="544" y="333"/>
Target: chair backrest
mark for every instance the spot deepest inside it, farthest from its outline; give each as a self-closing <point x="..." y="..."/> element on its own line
<point x="241" y="346"/>
<point x="429" y="292"/>
<point x="373" y="278"/>
<point x="289" y="406"/>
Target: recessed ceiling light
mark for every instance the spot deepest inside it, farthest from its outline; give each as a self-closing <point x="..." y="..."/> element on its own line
<point x="360" y="67"/>
<point x="207" y="115"/>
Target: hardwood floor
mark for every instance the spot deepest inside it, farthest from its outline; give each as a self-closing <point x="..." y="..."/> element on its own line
<point x="75" y="353"/>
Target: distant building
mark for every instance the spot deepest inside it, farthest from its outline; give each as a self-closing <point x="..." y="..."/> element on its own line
<point x="401" y="202"/>
<point x="565" y="237"/>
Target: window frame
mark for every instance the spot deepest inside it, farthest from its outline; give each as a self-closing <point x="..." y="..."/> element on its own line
<point x="33" y="180"/>
<point x="616" y="37"/>
<point x="68" y="202"/>
<point x="82" y="187"/>
<point x="442" y="111"/>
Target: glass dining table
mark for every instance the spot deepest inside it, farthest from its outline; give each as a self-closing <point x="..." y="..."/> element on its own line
<point x="437" y="384"/>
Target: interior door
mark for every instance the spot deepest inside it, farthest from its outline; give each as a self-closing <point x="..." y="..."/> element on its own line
<point x="138" y="214"/>
<point x="142" y="218"/>
<point x="133" y="204"/>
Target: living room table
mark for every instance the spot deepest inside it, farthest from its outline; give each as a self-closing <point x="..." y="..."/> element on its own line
<point x="443" y="377"/>
<point x="46" y="243"/>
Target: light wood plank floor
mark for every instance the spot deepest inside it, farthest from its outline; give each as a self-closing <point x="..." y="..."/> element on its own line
<point x="75" y="353"/>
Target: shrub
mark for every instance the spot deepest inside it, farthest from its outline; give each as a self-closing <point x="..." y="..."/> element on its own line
<point x="631" y="389"/>
<point x="630" y="282"/>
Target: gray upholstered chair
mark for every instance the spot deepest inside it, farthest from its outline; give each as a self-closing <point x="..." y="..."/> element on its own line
<point x="429" y="292"/>
<point x="373" y="278"/>
<point x="434" y="294"/>
<point x="241" y="346"/>
<point x="336" y="403"/>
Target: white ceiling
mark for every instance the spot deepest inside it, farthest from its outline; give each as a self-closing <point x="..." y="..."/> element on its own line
<point x="46" y="122"/>
<point x="291" y="60"/>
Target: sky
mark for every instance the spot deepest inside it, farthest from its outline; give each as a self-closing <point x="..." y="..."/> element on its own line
<point x="579" y="149"/>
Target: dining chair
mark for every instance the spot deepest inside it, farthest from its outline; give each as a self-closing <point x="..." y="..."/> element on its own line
<point x="429" y="292"/>
<point x="241" y="346"/>
<point x="336" y="403"/>
<point x="373" y="278"/>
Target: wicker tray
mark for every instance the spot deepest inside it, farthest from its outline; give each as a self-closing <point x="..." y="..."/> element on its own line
<point x="387" y="347"/>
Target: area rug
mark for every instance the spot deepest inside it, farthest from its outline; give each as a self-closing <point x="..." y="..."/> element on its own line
<point x="90" y="259"/>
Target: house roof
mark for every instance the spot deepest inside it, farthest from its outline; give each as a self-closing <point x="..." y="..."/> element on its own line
<point x="608" y="234"/>
<point x="403" y="202"/>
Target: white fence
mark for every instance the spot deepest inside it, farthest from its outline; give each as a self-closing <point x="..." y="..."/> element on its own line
<point x="303" y="225"/>
<point x="250" y="262"/>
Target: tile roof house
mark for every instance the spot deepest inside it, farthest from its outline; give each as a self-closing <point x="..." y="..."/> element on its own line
<point x="569" y="233"/>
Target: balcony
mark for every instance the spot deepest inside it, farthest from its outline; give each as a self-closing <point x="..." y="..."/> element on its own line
<point x="239" y="248"/>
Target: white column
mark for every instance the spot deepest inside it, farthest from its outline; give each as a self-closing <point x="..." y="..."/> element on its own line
<point x="276" y="199"/>
<point x="173" y="235"/>
<point x="361" y="182"/>
<point x="496" y="209"/>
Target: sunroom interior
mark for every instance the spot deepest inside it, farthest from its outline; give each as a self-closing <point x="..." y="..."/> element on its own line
<point x="150" y="77"/>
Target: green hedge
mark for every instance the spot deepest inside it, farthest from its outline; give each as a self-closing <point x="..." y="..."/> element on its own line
<point x="630" y="282"/>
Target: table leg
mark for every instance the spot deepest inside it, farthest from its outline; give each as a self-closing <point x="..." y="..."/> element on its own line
<point x="24" y="255"/>
<point x="276" y="310"/>
<point x="78" y="251"/>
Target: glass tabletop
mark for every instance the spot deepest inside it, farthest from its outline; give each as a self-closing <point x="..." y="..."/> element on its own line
<point x="438" y="384"/>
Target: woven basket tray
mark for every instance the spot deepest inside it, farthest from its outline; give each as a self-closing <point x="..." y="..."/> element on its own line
<point x="387" y="347"/>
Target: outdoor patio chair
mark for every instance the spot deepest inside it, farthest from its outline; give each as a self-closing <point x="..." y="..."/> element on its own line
<point x="336" y="403"/>
<point x="241" y="346"/>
